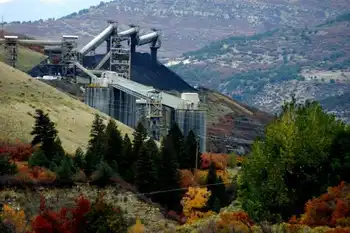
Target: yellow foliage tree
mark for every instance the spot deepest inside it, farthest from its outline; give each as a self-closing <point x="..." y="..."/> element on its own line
<point x="16" y="217"/>
<point x="137" y="228"/>
<point x="195" y="199"/>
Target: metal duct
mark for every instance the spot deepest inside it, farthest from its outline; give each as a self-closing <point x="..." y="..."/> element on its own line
<point x="129" y="32"/>
<point x="39" y="42"/>
<point x="86" y="71"/>
<point x="99" y="39"/>
<point x="103" y="61"/>
<point x="148" y="38"/>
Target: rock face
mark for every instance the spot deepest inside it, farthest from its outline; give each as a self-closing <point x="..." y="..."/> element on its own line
<point x="187" y="24"/>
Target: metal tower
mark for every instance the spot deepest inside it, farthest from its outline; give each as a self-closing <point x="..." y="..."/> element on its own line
<point x="154" y="111"/>
<point x="11" y="49"/>
<point x="120" y="60"/>
<point x="69" y="55"/>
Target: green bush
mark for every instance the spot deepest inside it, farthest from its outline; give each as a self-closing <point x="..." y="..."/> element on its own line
<point x="6" y="166"/>
<point x="38" y="159"/>
<point x="232" y="163"/>
<point x="104" y="218"/>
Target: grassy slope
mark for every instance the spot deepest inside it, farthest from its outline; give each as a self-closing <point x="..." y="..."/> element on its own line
<point x="27" y="58"/>
<point x="20" y="95"/>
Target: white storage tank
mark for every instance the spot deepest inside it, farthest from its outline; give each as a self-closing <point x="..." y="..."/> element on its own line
<point x="192" y="100"/>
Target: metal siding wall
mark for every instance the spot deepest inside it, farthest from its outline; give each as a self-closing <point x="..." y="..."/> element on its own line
<point x="188" y="120"/>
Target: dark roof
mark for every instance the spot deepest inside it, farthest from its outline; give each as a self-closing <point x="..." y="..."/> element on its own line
<point x="143" y="71"/>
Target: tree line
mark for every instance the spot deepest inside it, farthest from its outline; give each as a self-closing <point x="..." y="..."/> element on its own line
<point x="110" y="155"/>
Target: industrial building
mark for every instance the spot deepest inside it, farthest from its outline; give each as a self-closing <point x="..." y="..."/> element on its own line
<point x="129" y="86"/>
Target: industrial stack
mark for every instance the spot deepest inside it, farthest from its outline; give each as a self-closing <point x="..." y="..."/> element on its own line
<point x="129" y="86"/>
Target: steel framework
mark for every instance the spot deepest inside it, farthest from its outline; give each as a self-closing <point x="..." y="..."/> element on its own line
<point x="69" y="56"/>
<point x="154" y="113"/>
<point x="120" y="59"/>
<point x="11" y="49"/>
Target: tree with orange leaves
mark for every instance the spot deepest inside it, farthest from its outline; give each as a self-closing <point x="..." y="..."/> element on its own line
<point x="193" y="203"/>
<point x="16" y="218"/>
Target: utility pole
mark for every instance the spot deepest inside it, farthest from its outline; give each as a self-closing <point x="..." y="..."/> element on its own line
<point x="197" y="149"/>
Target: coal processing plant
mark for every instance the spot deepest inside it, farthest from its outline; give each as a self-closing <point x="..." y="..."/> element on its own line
<point x="127" y="85"/>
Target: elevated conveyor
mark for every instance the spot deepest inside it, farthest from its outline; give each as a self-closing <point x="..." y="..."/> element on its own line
<point x="141" y="91"/>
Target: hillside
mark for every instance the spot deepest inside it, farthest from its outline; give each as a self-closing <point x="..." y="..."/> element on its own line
<point x="20" y="95"/>
<point x="189" y="24"/>
<point x="27" y="58"/>
<point x="264" y="70"/>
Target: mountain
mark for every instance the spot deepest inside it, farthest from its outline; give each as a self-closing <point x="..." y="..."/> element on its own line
<point x="266" y="69"/>
<point x="186" y="24"/>
<point x="20" y="95"/>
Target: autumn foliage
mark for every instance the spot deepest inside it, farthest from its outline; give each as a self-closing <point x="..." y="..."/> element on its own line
<point x="36" y="174"/>
<point x="18" y="151"/>
<point x="63" y="221"/>
<point x="193" y="202"/>
<point x="220" y="160"/>
<point x="330" y="209"/>
<point x="15" y="218"/>
<point x="239" y="221"/>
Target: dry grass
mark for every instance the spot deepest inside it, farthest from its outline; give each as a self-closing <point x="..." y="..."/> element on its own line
<point x="27" y="58"/>
<point x="20" y="95"/>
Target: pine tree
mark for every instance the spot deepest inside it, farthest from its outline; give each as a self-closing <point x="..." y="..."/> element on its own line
<point x="140" y="136"/>
<point x="45" y="134"/>
<point x="78" y="159"/>
<point x="97" y="145"/>
<point x="66" y="170"/>
<point x="169" y="176"/>
<point x="39" y="159"/>
<point x="178" y="142"/>
<point x="192" y="150"/>
<point x="126" y="160"/>
<point x="211" y="181"/>
<point x="114" y="144"/>
<point x="146" y="170"/>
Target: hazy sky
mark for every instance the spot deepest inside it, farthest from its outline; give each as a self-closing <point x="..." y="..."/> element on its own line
<point x="24" y="10"/>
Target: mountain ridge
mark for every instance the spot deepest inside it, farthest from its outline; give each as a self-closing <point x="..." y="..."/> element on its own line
<point x="266" y="69"/>
<point x="186" y="25"/>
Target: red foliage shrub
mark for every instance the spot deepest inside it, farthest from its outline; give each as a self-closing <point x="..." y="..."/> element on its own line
<point x="18" y="152"/>
<point x="339" y="230"/>
<point x="220" y="160"/>
<point x="187" y="178"/>
<point x="64" y="221"/>
<point x="328" y="209"/>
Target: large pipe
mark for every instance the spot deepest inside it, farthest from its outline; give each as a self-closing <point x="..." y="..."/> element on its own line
<point x="39" y="42"/>
<point x="35" y="42"/>
<point x="148" y="38"/>
<point x="103" y="61"/>
<point x="99" y="39"/>
<point x="86" y="71"/>
<point x="127" y="33"/>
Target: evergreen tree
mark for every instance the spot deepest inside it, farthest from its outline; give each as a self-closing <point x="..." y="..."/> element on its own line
<point x="169" y="176"/>
<point x="114" y="143"/>
<point x="146" y="171"/>
<point x="103" y="174"/>
<point x="66" y="170"/>
<point x="212" y="180"/>
<point x="45" y="134"/>
<point x="140" y="136"/>
<point x="126" y="160"/>
<point x="192" y="150"/>
<point x="97" y="145"/>
<point x="39" y="159"/>
<point x="178" y="142"/>
<point x="78" y="159"/>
